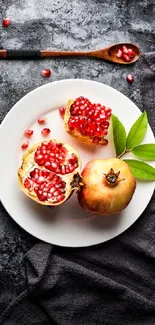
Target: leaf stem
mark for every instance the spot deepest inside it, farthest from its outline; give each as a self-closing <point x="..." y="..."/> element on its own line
<point x="123" y="153"/>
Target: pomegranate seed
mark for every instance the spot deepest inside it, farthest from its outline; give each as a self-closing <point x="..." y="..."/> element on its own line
<point x="124" y="49"/>
<point x="126" y="57"/>
<point x="96" y="139"/>
<point x="67" y="169"/>
<point x="45" y="132"/>
<point x="71" y="167"/>
<point x="62" y="111"/>
<point x="119" y="53"/>
<point x="60" y="198"/>
<point x="39" y="157"/>
<point x="28" y="133"/>
<point x="62" y="170"/>
<point x="36" y="189"/>
<point x="46" y="73"/>
<point x="25" y="145"/>
<point x="56" y="193"/>
<point x="6" y="22"/>
<point x="49" y="195"/>
<point x="52" y="189"/>
<point x="130" y="78"/>
<point x="34" y="172"/>
<point x="42" y="120"/>
<point x="28" y="183"/>
<point x="131" y="53"/>
<point x="47" y="164"/>
<point x="40" y="180"/>
<point x="54" y="165"/>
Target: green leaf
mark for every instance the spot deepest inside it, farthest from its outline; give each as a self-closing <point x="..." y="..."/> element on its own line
<point x="145" y="151"/>
<point x="119" y="135"/>
<point x="141" y="170"/>
<point x="137" y="131"/>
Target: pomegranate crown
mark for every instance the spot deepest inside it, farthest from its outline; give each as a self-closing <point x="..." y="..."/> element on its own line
<point x="112" y="177"/>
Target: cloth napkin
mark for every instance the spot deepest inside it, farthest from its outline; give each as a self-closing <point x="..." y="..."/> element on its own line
<point x="111" y="283"/>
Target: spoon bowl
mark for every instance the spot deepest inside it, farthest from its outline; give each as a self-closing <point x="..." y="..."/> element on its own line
<point x="112" y="50"/>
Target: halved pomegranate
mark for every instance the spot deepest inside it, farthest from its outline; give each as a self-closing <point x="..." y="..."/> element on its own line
<point x="86" y="121"/>
<point x="50" y="172"/>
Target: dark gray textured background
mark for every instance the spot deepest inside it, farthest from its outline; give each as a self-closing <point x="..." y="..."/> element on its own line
<point x="62" y="24"/>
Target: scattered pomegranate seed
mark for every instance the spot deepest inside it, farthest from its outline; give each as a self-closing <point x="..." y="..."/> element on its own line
<point x="42" y="120"/>
<point x="62" y="111"/>
<point x="6" y="22"/>
<point x="45" y="132"/>
<point x="25" y="145"/>
<point x="119" y="53"/>
<point x="28" y="133"/>
<point x="46" y="73"/>
<point x="126" y="57"/>
<point x="124" y="49"/>
<point x="130" y="78"/>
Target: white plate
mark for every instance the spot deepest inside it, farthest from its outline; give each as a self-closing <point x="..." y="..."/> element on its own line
<point x="68" y="224"/>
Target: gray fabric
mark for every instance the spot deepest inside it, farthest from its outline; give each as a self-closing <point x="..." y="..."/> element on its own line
<point x="111" y="283"/>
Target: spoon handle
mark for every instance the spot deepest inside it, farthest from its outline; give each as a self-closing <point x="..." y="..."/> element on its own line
<point x="96" y="53"/>
<point x="37" y="54"/>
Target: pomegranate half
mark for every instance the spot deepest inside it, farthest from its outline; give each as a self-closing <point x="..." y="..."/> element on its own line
<point x="86" y="121"/>
<point x="50" y="172"/>
<point x="108" y="186"/>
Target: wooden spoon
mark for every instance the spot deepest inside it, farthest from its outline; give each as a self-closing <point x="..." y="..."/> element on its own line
<point x="107" y="53"/>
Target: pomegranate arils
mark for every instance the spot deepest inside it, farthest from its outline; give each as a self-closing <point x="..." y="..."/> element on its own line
<point x="127" y="54"/>
<point x="47" y="186"/>
<point x="42" y="120"/>
<point x="96" y="139"/>
<point x="131" y="53"/>
<point x="55" y="157"/>
<point x="28" y="133"/>
<point x="29" y="183"/>
<point x="6" y="22"/>
<point x="124" y="49"/>
<point x="126" y="57"/>
<point x="25" y="145"/>
<point x="46" y="73"/>
<point x="119" y="53"/>
<point x="62" y="111"/>
<point x="130" y="78"/>
<point x="87" y="118"/>
<point x="45" y="132"/>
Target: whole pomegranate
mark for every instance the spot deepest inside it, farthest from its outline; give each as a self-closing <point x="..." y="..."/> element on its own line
<point x="86" y="121"/>
<point x="50" y="172"/>
<point x="109" y="186"/>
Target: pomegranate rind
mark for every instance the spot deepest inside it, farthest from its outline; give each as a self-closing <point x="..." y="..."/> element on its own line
<point x="75" y="133"/>
<point x="29" y="164"/>
<point x="99" y="198"/>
